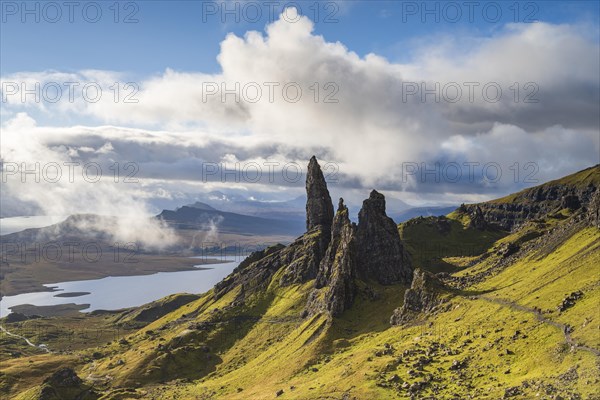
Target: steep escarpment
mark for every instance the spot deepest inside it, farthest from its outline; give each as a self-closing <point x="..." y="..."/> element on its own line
<point x="593" y="212"/>
<point x="249" y="275"/>
<point x="573" y="193"/>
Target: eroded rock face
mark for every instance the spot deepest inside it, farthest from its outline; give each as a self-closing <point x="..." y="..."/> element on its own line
<point x="304" y="256"/>
<point x="370" y="251"/>
<point x="254" y="273"/>
<point x="593" y="213"/>
<point x="300" y="259"/>
<point x="342" y="233"/>
<point x="319" y="208"/>
<point x="335" y="287"/>
<point x="381" y="255"/>
<point x="423" y="296"/>
<point x="529" y="204"/>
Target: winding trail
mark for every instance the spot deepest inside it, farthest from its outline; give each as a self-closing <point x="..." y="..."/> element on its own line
<point x="41" y="346"/>
<point x="565" y="329"/>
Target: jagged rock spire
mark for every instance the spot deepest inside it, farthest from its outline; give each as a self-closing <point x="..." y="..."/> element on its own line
<point x="371" y="251"/>
<point x="305" y="254"/>
<point x="381" y="254"/>
<point x="335" y="286"/>
<point x="341" y="222"/>
<point x="319" y="208"/>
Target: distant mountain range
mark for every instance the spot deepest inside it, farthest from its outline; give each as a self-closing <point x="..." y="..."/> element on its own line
<point x="294" y="210"/>
<point x="202" y="216"/>
<point x="289" y="209"/>
<point x="235" y="215"/>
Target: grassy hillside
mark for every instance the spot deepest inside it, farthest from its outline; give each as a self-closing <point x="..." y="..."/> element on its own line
<point x="431" y="240"/>
<point x="520" y="318"/>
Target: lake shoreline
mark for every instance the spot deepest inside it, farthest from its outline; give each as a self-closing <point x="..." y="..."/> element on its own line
<point x="119" y="292"/>
<point x="40" y="286"/>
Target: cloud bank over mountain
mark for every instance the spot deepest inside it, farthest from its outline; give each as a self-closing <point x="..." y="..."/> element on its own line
<point x="467" y="119"/>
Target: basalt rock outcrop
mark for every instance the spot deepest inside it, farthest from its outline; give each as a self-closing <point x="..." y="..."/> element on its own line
<point x="65" y="384"/>
<point x="593" y="212"/>
<point x="371" y="251"/>
<point x="305" y="254"/>
<point x="301" y="258"/>
<point x="334" y="252"/>
<point x="381" y="255"/>
<point x="319" y="208"/>
<point x="335" y="286"/>
<point x="253" y="274"/>
<point x="423" y="296"/>
<point x="534" y="203"/>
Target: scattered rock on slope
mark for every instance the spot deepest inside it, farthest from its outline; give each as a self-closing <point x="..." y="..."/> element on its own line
<point x="569" y="301"/>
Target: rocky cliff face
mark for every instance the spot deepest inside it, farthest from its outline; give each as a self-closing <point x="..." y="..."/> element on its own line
<point x="593" y="212"/>
<point x="371" y="251"/>
<point x="319" y="208"/>
<point x="382" y="256"/>
<point x="423" y="296"/>
<point x="529" y="204"/>
<point x="253" y="274"/>
<point x="335" y="287"/>
<point x="301" y="258"/>
<point x="305" y="254"/>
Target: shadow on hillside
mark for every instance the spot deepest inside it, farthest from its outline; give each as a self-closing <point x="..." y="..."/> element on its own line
<point x="361" y="318"/>
<point x="436" y="266"/>
<point x="468" y="293"/>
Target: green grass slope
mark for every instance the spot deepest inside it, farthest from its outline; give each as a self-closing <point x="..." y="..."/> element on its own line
<point x="431" y="240"/>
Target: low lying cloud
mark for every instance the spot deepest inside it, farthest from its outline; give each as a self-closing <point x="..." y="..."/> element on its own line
<point x="61" y="180"/>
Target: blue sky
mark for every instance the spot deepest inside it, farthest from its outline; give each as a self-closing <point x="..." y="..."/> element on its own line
<point x="185" y="35"/>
